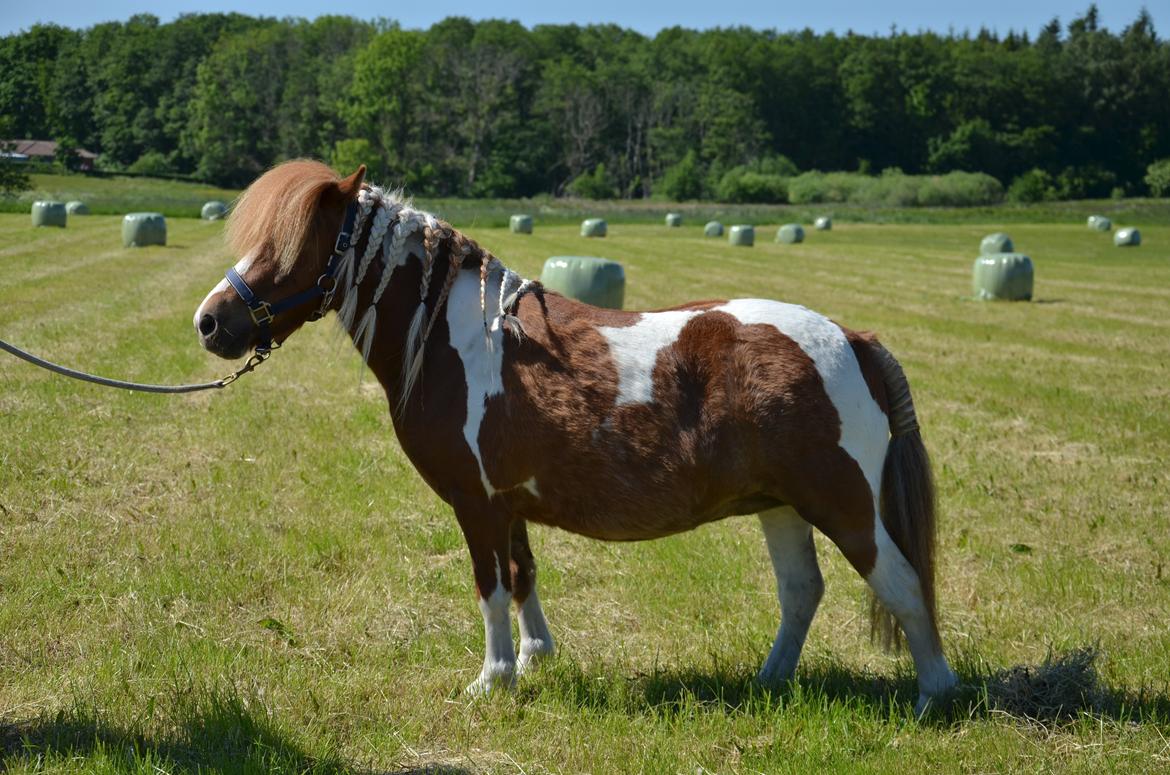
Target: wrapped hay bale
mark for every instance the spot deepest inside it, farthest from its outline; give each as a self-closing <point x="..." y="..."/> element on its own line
<point x="142" y="229"/>
<point x="713" y="229"/>
<point x="824" y="223"/>
<point x="48" y="214"/>
<point x="1003" y="277"/>
<point x="77" y="208"/>
<point x="596" y="281"/>
<point x="520" y="224"/>
<point x="742" y="234"/>
<point x="790" y="233"/>
<point x="1126" y="238"/>
<point x="1100" y="223"/>
<point x="593" y="227"/>
<point x="213" y="211"/>
<point x="674" y="220"/>
<point x="996" y="243"/>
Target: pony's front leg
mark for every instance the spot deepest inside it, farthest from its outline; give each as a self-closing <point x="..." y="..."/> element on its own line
<point x="487" y="534"/>
<point x="535" y="639"/>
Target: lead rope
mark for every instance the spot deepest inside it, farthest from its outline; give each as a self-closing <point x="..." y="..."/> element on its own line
<point x="223" y="382"/>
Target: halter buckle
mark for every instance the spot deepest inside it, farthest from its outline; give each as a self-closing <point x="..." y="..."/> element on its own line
<point x="261" y="313"/>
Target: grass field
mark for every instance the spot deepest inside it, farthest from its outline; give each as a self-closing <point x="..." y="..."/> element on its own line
<point x="256" y="580"/>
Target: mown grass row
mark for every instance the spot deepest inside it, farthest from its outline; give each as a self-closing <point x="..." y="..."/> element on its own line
<point x="256" y="580"/>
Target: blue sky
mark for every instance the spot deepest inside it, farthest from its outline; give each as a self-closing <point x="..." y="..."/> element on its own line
<point x="647" y="16"/>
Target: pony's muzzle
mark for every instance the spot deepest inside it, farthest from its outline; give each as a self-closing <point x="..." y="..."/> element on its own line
<point x="218" y="334"/>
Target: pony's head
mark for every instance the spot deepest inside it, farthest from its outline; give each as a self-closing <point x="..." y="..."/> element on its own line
<point x="283" y="229"/>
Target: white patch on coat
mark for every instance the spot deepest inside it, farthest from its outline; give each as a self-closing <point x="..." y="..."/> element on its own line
<point x="482" y="365"/>
<point x="242" y="266"/>
<point x="530" y="485"/>
<point x="635" y="348"/>
<point x="499" y="661"/>
<point x="865" y="430"/>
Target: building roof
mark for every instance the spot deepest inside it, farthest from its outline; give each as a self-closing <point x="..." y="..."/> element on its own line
<point x="42" y="148"/>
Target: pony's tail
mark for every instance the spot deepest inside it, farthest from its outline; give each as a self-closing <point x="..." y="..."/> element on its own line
<point x="907" y="497"/>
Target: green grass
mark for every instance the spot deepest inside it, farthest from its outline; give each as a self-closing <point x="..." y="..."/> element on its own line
<point x="179" y="199"/>
<point x="256" y="580"/>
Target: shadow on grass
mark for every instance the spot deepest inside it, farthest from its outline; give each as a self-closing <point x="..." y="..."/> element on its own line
<point x="1062" y="688"/>
<point x="206" y="732"/>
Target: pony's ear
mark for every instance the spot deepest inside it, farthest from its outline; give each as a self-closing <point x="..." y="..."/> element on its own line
<point x="349" y="187"/>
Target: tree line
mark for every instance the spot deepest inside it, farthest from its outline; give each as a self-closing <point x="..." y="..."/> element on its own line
<point x="492" y="108"/>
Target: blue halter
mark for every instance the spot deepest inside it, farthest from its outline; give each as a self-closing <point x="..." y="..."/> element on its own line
<point x="263" y="312"/>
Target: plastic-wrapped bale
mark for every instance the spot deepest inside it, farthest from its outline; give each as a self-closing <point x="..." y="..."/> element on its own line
<point x="1127" y="238"/>
<point x="673" y="220"/>
<point x="1003" y="277"/>
<point x="713" y="229"/>
<point x="142" y="229"/>
<point x="77" y="208"/>
<point x="996" y="243"/>
<point x="1100" y="223"/>
<point x="213" y="210"/>
<point x="790" y="233"/>
<point x="824" y="223"/>
<point x="742" y="234"/>
<point x="593" y="227"/>
<point x="597" y="281"/>
<point x="48" y="214"/>
<point x="520" y="224"/>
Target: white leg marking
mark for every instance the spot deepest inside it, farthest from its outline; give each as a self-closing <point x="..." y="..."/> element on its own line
<point x="242" y="266"/>
<point x="482" y="366"/>
<point x="896" y="585"/>
<point x="535" y="639"/>
<point x="635" y="348"/>
<point x="499" y="662"/>
<point x="799" y="584"/>
<point x="865" y="430"/>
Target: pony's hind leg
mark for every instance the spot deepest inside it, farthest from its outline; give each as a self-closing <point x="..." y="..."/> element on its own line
<point x="898" y="589"/>
<point x="535" y="639"/>
<point x="799" y="585"/>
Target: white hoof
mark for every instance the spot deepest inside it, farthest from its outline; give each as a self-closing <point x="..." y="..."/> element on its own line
<point x="532" y="653"/>
<point x="499" y="679"/>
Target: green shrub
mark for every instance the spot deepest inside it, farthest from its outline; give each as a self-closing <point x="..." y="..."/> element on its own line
<point x="1087" y="182"/>
<point x="816" y="187"/>
<point x="960" y="189"/>
<point x="741" y="185"/>
<point x="593" y="185"/>
<point x="684" y="180"/>
<point x="1033" y="186"/>
<point x="152" y="163"/>
<point x="1158" y="178"/>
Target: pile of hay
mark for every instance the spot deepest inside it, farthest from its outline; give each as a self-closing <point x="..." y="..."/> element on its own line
<point x="790" y="233"/>
<point x="713" y="229"/>
<point x="142" y="229"/>
<point x="214" y="210"/>
<point x="48" y="214"/>
<point x="520" y="224"/>
<point x="673" y="220"/>
<point x="1003" y="277"/>
<point x="1127" y="238"/>
<point x="77" y="208"/>
<point x="593" y="227"/>
<point x="597" y="281"/>
<point x="824" y="223"/>
<point x="1059" y="689"/>
<point x="742" y="234"/>
<point x="996" y="243"/>
<point x="1099" y="223"/>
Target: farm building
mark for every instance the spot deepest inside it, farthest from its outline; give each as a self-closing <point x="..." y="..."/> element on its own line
<point x="44" y="150"/>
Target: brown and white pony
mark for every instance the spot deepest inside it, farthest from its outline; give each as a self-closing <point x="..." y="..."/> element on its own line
<point x="519" y="405"/>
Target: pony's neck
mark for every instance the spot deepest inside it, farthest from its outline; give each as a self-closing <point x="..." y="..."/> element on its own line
<point x="395" y="282"/>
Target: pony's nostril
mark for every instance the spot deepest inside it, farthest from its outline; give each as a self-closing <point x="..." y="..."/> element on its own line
<point x="207" y="325"/>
